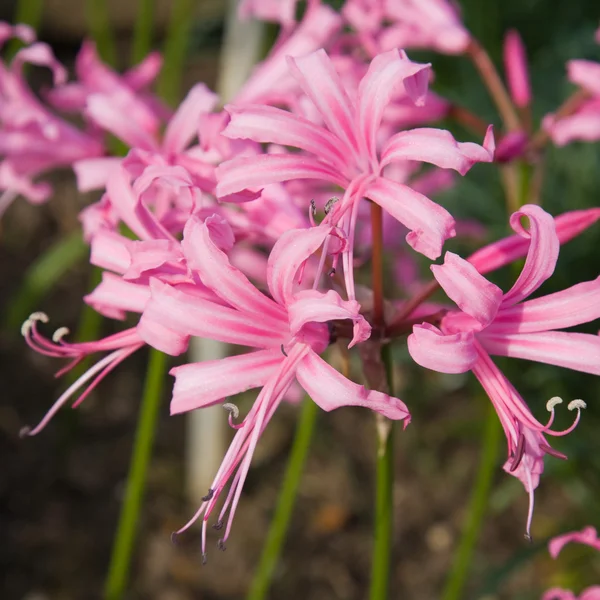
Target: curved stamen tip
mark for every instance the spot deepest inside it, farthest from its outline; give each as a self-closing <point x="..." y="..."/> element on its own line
<point x="59" y="334"/>
<point x="208" y="496"/>
<point x="577" y="404"/>
<point x="33" y="317"/>
<point x="221" y="545"/>
<point x="25" y="432"/>
<point x="556" y="400"/>
<point x="174" y="538"/>
<point x="233" y="410"/>
<point x="204" y="558"/>
<point x="218" y="525"/>
<point x="528" y="537"/>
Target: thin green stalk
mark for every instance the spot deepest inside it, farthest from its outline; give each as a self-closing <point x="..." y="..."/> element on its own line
<point x="118" y="573"/>
<point x="143" y="30"/>
<point x="285" y="504"/>
<point x="176" y="44"/>
<point x="43" y="275"/>
<point x="384" y="499"/>
<point x="477" y="508"/>
<point x="98" y="20"/>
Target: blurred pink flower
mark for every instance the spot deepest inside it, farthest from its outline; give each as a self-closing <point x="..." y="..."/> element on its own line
<point x="515" y="67"/>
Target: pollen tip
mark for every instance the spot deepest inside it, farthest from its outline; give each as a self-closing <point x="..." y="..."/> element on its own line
<point x="25" y="432"/>
<point x="577" y="404"/>
<point x="26" y="327"/>
<point x="528" y="537"/>
<point x="208" y="496"/>
<point x="59" y="334"/>
<point x="39" y="316"/>
<point x="221" y="545"/>
<point x="174" y="538"/>
<point x="218" y="525"/>
<point x="204" y="558"/>
<point x="232" y="409"/>
<point x="554" y="401"/>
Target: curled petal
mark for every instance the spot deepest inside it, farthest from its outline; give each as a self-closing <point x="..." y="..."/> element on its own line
<point x="430" y="224"/>
<point x="113" y="297"/>
<point x="201" y="384"/>
<point x="541" y="256"/>
<point x="585" y="73"/>
<point x="438" y="147"/>
<point x="330" y="390"/>
<point x="41" y="54"/>
<point x="470" y="290"/>
<point x="587" y="536"/>
<point x="313" y="306"/>
<point x="290" y="252"/>
<point x="445" y="353"/>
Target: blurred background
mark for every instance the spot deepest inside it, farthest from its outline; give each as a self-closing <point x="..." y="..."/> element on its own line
<point x="60" y="492"/>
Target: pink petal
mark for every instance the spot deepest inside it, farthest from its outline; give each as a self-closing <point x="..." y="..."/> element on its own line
<point x="256" y="172"/>
<point x="145" y="72"/>
<point x="183" y="126"/>
<point x="217" y="273"/>
<point x="310" y="306"/>
<point x="320" y="82"/>
<point x="192" y="316"/>
<point x="577" y="351"/>
<point x="430" y="224"/>
<point x="205" y="383"/>
<point x="110" y="250"/>
<point x="290" y="252"/>
<point x="93" y="173"/>
<point x="470" y="290"/>
<point x="541" y="256"/>
<point x="445" y="353"/>
<point x="381" y="81"/>
<point x="515" y="66"/>
<point x="40" y="54"/>
<point x="505" y="251"/>
<point x="585" y="73"/>
<point x="438" y="147"/>
<point x="587" y="536"/>
<point x="576" y="305"/>
<point x="584" y="125"/>
<point x="330" y="390"/>
<point x="114" y="296"/>
<point x="269" y="124"/>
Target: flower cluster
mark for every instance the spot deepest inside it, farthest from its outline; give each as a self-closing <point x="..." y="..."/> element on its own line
<point x="252" y="225"/>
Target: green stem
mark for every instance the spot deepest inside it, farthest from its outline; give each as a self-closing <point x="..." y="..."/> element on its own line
<point x="287" y="497"/>
<point x="118" y="572"/>
<point x="176" y="43"/>
<point x="98" y="20"/>
<point x="143" y="30"/>
<point x="384" y="498"/>
<point x="477" y="508"/>
<point x="43" y="275"/>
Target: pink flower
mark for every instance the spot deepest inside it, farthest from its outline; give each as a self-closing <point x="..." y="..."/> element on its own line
<point x="286" y="331"/>
<point x="587" y="536"/>
<point x="345" y="151"/>
<point x="32" y="139"/>
<point x="493" y="323"/>
<point x="584" y="123"/>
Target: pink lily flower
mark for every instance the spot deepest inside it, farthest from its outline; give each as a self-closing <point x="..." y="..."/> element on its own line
<point x="584" y="123"/>
<point x="345" y="150"/>
<point x="587" y="536"/>
<point x="286" y="331"/>
<point x="32" y="139"/>
<point x="493" y="323"/>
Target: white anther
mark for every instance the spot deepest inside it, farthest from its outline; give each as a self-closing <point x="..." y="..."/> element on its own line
<point x="577" y="405"/>
<point x="26" y="328"/>
<point x="554" y="401"/>
<point x="59" y="334"/>
<point x="232" y="408"/>
<point x="38" y="316"/>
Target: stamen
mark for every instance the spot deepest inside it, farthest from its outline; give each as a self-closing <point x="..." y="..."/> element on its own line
<point x="59" y="334"/>
<point x="312" y="211"/>
<point x="30" y="322"/>
<point x="174" y="538"/>
<point x="208" y="496"/>
<point x="204" y="558"/>
<point x="331" y="272"/>
<point x="24" y="432"/>
<point x="554" y="401"/>
<point x="552" y="452"/>
<point x="283" y="351"/>
<point x="221" y="545"/>
<point x="329" y="205"/>
<point x="233" y="410"/>
<point x="528" y="537"/>
<point x="577" y="404"/>
<point x="218" y="525"/>
<point x="518" y="454"/>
